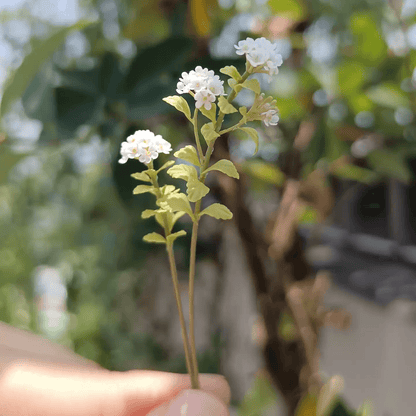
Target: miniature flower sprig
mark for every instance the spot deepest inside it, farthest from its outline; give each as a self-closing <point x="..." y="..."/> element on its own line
<point x="210" y="99"/>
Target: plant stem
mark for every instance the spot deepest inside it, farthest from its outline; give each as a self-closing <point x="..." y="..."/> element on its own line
<point x="192" y="370"/>
<point x="198" y="142"/>
<point x="194" y="237"/>
<point x="189" y="364"/>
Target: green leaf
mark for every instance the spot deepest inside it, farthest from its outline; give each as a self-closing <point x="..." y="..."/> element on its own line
<point x="218" y="211"/>
<point x="180" y="104"/>
<point x="154" y="238"/>
<point x="366" y="409"/>
<point x="351" y="77"/>
<point x="389" y="95"/>
<point x="235" y="85"/>
<point x="168" y="189"/>
<point x="266" y="172"/>
<point x="182" y="172"/>
<point x="232" y="72"/>
<point x="260" y="396"/>
<point x="166" y="165"/>
<point x="196" y="190"/>
<point x="369" y="43"/>
<point x="293" y="9"/>
<point x="209" y="133"/>
<point x="328" y="396"/>
<point x="189" y="154"/>
<point x="179" y="202"/>
<point x="176" y="216"/>
<point x="390" y="163"/>
<point x="172" y="237"/>
<point x="141" y="176"/>
<point x="253" y="85"/>
<point x="253" y="135"/>
<point x="225" y="106"/>
<point x="149" y="63"/>
<point x="356" y="173"/>
<point x="141" y="189"/>
<point x="32" y="63"/>
<point x="224" y="166"/>
<point x="147" y="213"/>
<point x="210" y="114"/>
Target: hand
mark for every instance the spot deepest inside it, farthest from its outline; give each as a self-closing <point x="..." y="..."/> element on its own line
<point x="40" y="378"/>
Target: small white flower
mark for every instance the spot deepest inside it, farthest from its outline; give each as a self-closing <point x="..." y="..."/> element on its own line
<point x="244" y="46"/>
<point x="270" y="118"/>
<point x="143" y="145"/>
<point x="257" y="57"/>
<point x="215" y="85"/>
<point x="162" y="145"/>
<point x="204" y="98"/>
<point x="148" y="154"/>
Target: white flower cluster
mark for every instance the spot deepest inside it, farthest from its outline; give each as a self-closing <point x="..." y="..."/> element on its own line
<point x="260" y="53"/>
<point x="204" y="83"/>
<point x="143" y="145"/>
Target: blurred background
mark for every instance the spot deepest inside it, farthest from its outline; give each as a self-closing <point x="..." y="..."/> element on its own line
<point x="78" y="76"/>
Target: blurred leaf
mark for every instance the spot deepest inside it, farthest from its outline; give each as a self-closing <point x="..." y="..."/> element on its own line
<point x="351" y="77"/>
<point x="260" y="396"/>
<point x="200" y="17"/>
<point x="388" y="94"/>
<point x="148" y="23"/>
<point x="88" y="319"/>
<point x="38" y="99"/>
<point x="81" y="80"/>
<point x="225" y="166"/>
<point x="390" y="163"/>
<point x="110" y="75"/>
<point x="360" y="102"/>
<point x="149" y="63"/>
<point x="74" y="108"/>
<point x="308" y="216"/>
<point x="7" y="160"/>
<point x="355" y="173"/>
<point x="307" y="406"/>
<point x="266" y="172"/>
<point x="292" y="9"/>
<point x="32" y="63"/>
<point x="366" y="409"/>
<point x="328" y="396"/>
<point x="369" y="43"/>
<point x="218" y="211"/>
<point x="286" y="327"/>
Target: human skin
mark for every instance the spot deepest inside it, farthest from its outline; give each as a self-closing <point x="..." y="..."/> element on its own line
<point x="37" y="382"/>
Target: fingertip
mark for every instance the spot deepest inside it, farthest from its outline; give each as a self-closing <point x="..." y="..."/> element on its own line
<point x="217" y="385"/>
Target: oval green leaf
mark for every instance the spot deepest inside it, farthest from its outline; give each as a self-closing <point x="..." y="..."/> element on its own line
<point x="224" y="166"/>
<point x="154" y="238"/>
<point x="218" y="211"/>
<point x="232" y="72"/>
<point x="180" y="104"/>
<point x="225" y="106"/>
<point x="141" y="189"/>
<point x="189" y="154"/>
<point x="209" y="133"/>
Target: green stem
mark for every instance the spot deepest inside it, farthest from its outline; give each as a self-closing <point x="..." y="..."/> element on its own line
<point x="194" y="237"/>
<point x="198" y="141"/>
<point x="174" y="273"/>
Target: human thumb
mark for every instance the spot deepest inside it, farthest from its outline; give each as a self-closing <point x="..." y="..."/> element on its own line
<point x="192" y="403"/>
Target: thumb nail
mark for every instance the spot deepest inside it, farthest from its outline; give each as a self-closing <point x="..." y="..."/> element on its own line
<point x="193" y="403"/>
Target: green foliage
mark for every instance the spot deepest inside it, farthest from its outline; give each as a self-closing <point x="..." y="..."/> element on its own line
<point x="210" y="114"/>
<point x="141" y="176"/>
<point x="172" y="237"/>
<point x="388" y="95"/>
<point x="292" y="9"/>
<point x="232" y="72"/>
<point x="390" y="163"/>
<point x="32" y="63"/>
<point x="180" y="104"/>
<point x="154" y="238"/>
<point x="189" y="154"/>
<point x="224" y="166"/>
<point x="260" y="396"/>
<point x="264" y="172"/>
<point x="225" y="106"/>
<point x="252" y="84"/>
<point x="218" y="211"/>
<point x="356" y="173"/>
<point x="209" y="133"/>
<point x="179" y="203"/>
<point x="141" y="189"/>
